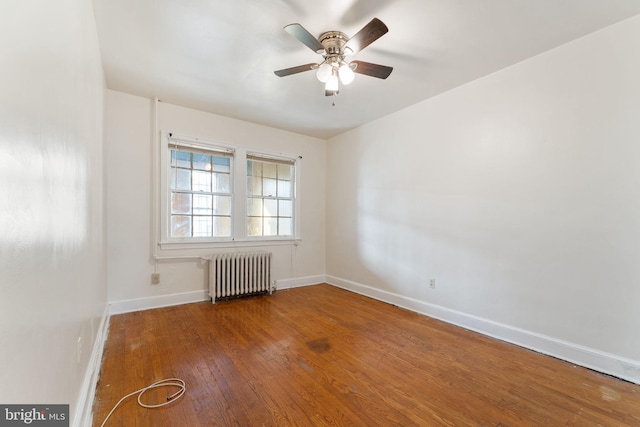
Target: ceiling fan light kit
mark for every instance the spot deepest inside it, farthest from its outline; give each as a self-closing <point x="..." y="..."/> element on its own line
<point x="335" y="46"/>
<point x="346" y="73"/>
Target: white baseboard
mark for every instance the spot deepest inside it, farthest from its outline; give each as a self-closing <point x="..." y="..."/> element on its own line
<point x="147" y="303"/>
<point x="83" y="414"/>
<point x="300" y="281"/>
<point x="597" y="360"/>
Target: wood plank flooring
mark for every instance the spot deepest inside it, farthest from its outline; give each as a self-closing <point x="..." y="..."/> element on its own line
<point x="322" y="356"/>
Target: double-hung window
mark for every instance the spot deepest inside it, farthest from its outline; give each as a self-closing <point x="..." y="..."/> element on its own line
<point x="213" y="193"/>
<point x="270" y="190"/>
<point x="201" y="193"/>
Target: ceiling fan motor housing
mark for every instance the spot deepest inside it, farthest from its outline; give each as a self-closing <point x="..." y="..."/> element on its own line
<point x="333" y="42"/>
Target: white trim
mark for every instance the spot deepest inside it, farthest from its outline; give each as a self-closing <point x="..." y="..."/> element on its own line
<point x="163" y="185"/>
<point x="199" y="144"/>
<point x="156" y="185"/>
<point x="227" y="244"/>
<point x="255" y="155"/>
<point x="300" y="282"/>
<point x="163" y="245"/>
<point x="83" y="413"/>
<point x="147" y="303"/>
<point x="611" y="364"/>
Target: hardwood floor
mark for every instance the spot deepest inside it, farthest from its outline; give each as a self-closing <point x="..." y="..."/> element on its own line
<point x="322" y="356"/>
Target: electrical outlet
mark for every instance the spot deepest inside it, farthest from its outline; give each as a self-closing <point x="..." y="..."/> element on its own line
<point x="432" y="283"/>
<point x="155" y="278"/>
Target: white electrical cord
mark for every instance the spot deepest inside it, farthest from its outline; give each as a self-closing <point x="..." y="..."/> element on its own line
<point x="169" y="382"/>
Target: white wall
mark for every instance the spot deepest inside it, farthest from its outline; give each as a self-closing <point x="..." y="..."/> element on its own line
<point x="52" y="245"/>
<point x="518" y="193"/>
<point x="129" y="124"/>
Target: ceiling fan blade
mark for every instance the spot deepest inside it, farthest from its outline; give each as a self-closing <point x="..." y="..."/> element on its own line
<point x="296" y="70"/>
<point x="367" y="35"/>
<point x="304" y="36"/>
<point x="373" y="70"/>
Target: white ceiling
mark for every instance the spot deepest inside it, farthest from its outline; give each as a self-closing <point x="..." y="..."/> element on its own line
<point x="219" y="55"/>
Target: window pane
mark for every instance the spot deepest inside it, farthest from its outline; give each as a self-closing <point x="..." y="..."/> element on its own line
<point x="254" y="186"/>
<point x="183" y="178"/>
<point x="201" y="181"/>
<point x="284" y="188"/>
<point x="201" y="199"/>
<point x="181" y="159"/>
<point x="269" y="187"/>
<point x="285" y="208"/>
<point x="270" y="227"/>
<point x="201" y="161"/>
<point x="202" y="205"/>
<point x="269" y="170"/>
<point x="180" y="226"/>
<point x="180" y="203"/>
<point x="221" y="226"/>
<point x="284" y="172"/>
<point x="254" y="168"/>
<point x="254" y="226"/>
<point x="285" y="227"/>
<point x="221" y="205"/>
<point x="275" y="183"/>
<point x="221" y="164"/>
<point x="221" y="183"/>
<point x="202" y="226"/>
<point x="254" y="207"/>
<point x="270" y="207"/>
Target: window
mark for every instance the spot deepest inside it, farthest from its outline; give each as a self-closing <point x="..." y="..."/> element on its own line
<point x="211" y="194"/>
<point x="201" y="196"/>
<point x="270" y="192"/>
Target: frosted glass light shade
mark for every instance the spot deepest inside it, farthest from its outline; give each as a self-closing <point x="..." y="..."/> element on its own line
<point x="346" y="74"/>
<point x="324" y="72"/>
<point x="332" y="83"/>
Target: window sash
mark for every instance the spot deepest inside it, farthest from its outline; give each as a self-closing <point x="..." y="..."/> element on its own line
<point x="269" y="158"/>
<point x="204" y="209"/>
<point x="270" y="214"/>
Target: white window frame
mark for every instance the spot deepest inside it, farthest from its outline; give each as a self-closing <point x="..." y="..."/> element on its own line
<point x="174" y="142"/>
<point x="239" y="218"/>
<point x="254" y="155"/>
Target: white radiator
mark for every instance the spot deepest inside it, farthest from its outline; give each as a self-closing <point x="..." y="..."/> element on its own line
<point x="239" y="274"/>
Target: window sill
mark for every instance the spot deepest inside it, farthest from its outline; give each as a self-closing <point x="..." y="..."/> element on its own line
<point x="227" y="244"/>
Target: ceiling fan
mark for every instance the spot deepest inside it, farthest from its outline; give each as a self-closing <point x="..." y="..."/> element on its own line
<point x="335" y="47"/>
